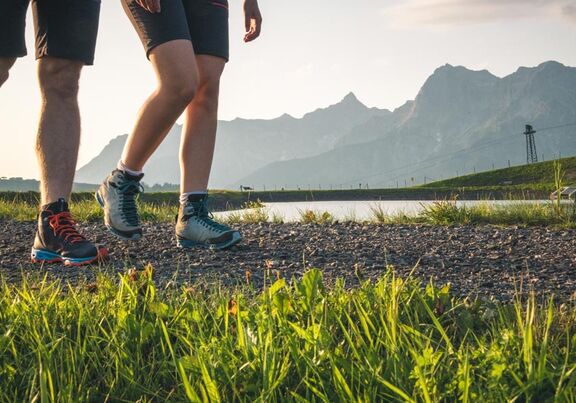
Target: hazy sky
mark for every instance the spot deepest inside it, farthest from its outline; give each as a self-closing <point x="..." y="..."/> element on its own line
<point x="310" y="55"/>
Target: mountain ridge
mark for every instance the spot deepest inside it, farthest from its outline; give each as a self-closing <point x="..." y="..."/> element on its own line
<point x="456" y="108"/>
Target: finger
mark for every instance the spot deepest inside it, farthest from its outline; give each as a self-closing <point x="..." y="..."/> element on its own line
<point x="247" y="21"/>
<point x="249" y="35"/>
<point x="254" y="30"/>
<point x="158" y="6"/>
<point x="258" y="26"/>
<point x="153" y="6"/>
<point x="143" y="4"/>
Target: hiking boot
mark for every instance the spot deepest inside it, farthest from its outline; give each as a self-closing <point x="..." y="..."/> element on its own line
<point x="117" y="195"/>
<point x="58" y="241"/>
<point x="195" y="226"/>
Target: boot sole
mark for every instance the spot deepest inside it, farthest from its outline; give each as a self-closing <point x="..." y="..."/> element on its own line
<point x="188" y="244"/>
<point x="49" y="257"/>
<point x="112" y="230"/>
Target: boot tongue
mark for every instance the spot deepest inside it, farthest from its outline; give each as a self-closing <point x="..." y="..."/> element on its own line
<point x="56" y="207"/>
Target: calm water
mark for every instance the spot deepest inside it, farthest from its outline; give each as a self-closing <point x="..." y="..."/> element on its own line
<point x="362" y="210"/>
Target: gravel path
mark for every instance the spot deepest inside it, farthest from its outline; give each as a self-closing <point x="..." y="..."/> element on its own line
<point x="477" y="260"/>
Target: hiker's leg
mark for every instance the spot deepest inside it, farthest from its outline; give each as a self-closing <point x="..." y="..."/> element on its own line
<point x="175" y="67"/>
<point x="5" y="64"/>
<point x="199" y="132"/>
<point x="59" y="128"/>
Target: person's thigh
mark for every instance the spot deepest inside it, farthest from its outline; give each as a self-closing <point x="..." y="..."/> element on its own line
<point x="12" y="27"/>
<point x="175" y="66"/>
<point x="210" y="69"/>
<point x="208" y="24"/>
<point x="66" y="29"/>
<point x="155" y="29"/>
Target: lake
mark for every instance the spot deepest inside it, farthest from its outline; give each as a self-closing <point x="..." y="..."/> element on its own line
<point x="362" y="210"/>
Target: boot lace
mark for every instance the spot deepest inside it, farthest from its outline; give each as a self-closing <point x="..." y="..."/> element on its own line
<point x="129" y="211"/>
<point x="64" y="226"/>
<point x="205" y="217"/>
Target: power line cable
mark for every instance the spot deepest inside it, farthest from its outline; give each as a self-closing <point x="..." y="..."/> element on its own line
<point x="480" y="146"/>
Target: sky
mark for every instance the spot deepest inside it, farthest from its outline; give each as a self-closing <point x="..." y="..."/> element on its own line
<point x="310" y="55"/>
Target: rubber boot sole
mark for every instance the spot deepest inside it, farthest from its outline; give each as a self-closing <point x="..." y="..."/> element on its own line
<point x="188" y="244"/>
<point x="49" y="257"/>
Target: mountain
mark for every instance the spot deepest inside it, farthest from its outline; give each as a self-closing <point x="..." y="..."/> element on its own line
<point x="460" y="121"/>
<point x="243" y="146"/>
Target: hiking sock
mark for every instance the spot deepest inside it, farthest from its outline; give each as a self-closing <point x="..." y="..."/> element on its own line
<point x="125" y="169"/>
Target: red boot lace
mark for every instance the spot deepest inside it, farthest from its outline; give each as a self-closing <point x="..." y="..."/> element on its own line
<point x="64" y="225"/>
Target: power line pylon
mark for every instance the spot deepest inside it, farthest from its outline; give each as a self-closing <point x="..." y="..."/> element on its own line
<point x="531" y="154"/>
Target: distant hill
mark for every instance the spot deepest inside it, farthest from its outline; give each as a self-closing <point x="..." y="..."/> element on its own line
<point x="460" y="121"/>
<point x="32" y="185"/>
<point x="534" y="174"/>
<point x="244" y="145"/>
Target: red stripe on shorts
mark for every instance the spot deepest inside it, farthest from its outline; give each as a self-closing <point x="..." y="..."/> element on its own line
<point x="220" y="5"/>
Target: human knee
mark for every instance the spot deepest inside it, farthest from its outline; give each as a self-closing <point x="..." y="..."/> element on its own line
<point x="59" y="78"/>
<point x="207" y="96"/>
<point x="5" y="65"/>
<point x="179" y="90"/>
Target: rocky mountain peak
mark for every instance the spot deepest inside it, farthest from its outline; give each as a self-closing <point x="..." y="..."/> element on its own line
<point x="351" y="98"/>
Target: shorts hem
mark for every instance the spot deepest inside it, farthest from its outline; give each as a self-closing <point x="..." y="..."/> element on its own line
<point x="13" y="55"/>
<point x="216" y="54"/>
<point x="87" y="61"/>
<point x="153" y="46"/>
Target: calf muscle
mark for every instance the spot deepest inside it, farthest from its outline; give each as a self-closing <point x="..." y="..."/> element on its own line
<point x="58" y="136"/>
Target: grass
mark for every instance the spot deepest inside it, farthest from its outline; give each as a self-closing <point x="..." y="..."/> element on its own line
<point x="448" y="212"/>
<point x="316" y="217"/>
<point x="88" y="211"/>
<point x="445" y="212"/>
<point x="124" y="340"/>
<point x="536" y="176"/>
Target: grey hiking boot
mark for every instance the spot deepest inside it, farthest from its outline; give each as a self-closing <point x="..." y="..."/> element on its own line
<point x="195" y="226"/>
<point x="117" y="195"/>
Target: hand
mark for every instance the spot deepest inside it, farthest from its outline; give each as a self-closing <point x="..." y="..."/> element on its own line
<point x="252" y="20"/>
<point x="152" y="6"/>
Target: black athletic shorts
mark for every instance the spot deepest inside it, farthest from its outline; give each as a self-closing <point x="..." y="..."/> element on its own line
<point x="204" y="22"/>
<point x="64" y="28"/>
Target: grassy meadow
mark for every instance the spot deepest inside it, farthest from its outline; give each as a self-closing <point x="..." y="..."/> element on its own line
<point x="540" y="175"/>
<point x="121" y="339"/>
<point x="445" y="212"/>
<point x="124" y="340"/>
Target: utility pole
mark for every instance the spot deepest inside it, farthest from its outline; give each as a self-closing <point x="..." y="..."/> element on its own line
<point x="531" y="155"/>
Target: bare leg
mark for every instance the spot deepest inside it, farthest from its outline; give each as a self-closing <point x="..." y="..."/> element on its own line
<point x="5" y="65"/>
<point x="175" y="66"/>
<point x="199" y="133"/>
<point x="59" y="129"/>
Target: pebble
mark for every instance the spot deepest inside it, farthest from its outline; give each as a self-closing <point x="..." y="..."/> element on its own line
<point x="484" y="261"/>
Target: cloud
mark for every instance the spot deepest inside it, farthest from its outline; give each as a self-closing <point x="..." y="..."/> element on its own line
<point x="458" y="12"/>
<point x="569" y="11"/>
